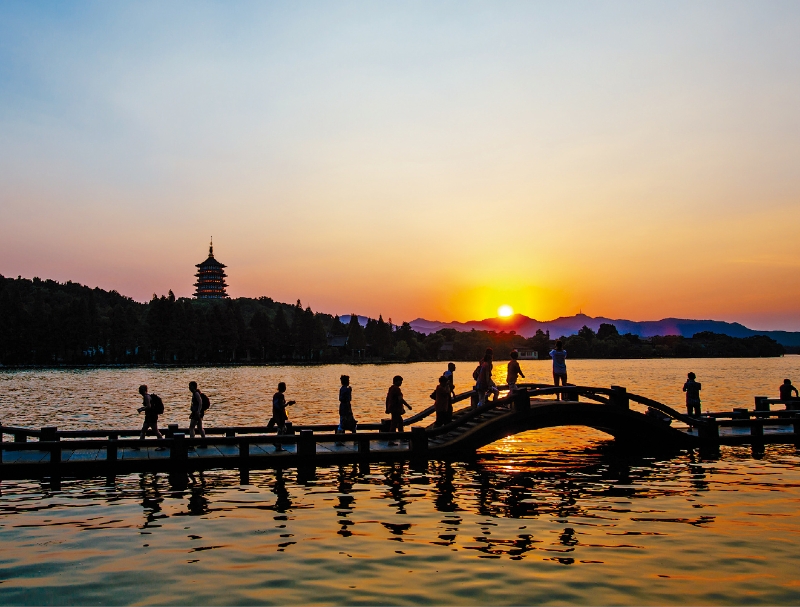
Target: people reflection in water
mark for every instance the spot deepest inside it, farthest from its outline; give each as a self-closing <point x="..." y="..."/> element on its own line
<point x="283" y="501"/>
<point x="395" y="478"/>
<point x="445" y="490"/>
<point x="344" y="507"/>
<point x="151" y="498"/>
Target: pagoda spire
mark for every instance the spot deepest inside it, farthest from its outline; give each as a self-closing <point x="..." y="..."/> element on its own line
<point x="211" y="248"/>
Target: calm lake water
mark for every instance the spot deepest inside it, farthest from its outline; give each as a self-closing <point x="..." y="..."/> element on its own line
<point x="553" y="516"/>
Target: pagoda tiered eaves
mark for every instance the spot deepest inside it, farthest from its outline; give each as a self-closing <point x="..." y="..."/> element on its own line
<point x="210" y="278"/>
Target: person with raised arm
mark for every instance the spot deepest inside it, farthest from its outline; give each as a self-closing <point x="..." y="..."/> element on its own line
<point x="559" y="356"/>
<point x="279" y="404"/>
<point x="514" y="372"/>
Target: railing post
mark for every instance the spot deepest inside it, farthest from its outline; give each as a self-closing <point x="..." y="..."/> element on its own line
<point x="522" y="400"/>
<point x="244" y="450"/>
<point x="386" y="425"/>
<point x="363" y="445"/>
<point x="306" y="445"/>
<point x="762" y="405"/>
<point x="20" y="437"/>
<point x="419" y="441"/>
<point x="757" y="428"/>
<point x="708" y="430"/>
<point x="49" y="434"/>
<point x="619" y="397"/>
<point x="230" y="433"/>
<point x="171" y="430"/>
<point x="177" y="453"/>
<point x="111" y="448"/>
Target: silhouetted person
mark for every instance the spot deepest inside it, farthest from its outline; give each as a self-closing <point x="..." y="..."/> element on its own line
<point x="279" y="404"/>
<point x="692" y="389"/>
<point x="347" y="420"/>
<point x="150" y="414"/>
<point x="485" y="383"/>
<point x="514" y="371"/>
<point x="196" y="412"/>
<point x="559" y="356"/>
<point x="786" y="390"/>
<point x="444" y="403"/>
<point x="395" y="404"/>
<point x="451" y="368"/>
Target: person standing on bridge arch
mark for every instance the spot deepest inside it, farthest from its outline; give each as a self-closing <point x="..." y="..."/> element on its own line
<point x="514" y="372"/>
<point x="485" y="383"/>
<point x="444" y="403"/>
<point x="559" y="356"/>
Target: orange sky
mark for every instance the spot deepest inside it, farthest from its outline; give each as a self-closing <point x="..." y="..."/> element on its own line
<point x="630" y="161"/>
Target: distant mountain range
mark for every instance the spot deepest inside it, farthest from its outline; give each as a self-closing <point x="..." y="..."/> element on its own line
<point x="570" y="325"/>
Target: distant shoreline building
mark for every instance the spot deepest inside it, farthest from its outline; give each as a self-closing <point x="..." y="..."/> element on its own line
<point x="210" y="277"/>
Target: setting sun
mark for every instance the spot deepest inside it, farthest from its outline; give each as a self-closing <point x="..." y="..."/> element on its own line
<point x="505" y="311"/>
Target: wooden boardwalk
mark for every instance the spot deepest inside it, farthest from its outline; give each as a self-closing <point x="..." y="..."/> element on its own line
<point x="50" y="452"/>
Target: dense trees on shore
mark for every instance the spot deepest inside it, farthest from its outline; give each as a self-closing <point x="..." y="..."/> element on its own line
<point x="43" y="322"/>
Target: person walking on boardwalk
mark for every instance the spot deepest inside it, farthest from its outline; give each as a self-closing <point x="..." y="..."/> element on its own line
<point x="514" y="372"/>
<point x="444" y="402"/>
<point x="451" y="368"/>
<point x="786" y="390"/>
<point x="152" y="406"/>
<point x="396" y="405"/>
<point x="485" y="383"/>
<point x="279" y="404"/>
<point x="692" y="389"/>
<point x="197" y="411"/>
<point x="347" y="420"/>
<point x="559" y="356"/>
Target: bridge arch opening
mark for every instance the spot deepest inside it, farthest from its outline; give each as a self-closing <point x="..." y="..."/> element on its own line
<point x="544" y="440"/>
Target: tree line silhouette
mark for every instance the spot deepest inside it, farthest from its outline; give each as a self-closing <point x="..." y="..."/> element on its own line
<point x="44" y="322"/>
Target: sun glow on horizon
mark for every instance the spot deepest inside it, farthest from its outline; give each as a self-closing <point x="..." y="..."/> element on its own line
<point x="505" y="311"/>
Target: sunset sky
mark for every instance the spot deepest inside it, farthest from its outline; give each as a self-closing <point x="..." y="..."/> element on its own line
<point x="634" y="160"/>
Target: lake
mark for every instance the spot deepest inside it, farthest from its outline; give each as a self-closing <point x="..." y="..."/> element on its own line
<point x="552" y="516"/>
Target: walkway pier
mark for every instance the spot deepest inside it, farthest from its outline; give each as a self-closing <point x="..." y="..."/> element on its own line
<point x="632" y="420"/>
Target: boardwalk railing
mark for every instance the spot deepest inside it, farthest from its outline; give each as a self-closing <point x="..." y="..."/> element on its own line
<point x="309" y="443"/>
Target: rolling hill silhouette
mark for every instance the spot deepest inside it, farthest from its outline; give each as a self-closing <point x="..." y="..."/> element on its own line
<point x="569" y="325"/>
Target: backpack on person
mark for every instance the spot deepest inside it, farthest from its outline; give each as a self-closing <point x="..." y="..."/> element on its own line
<point x="206" y="402"/>
<point x="156" y="404"/>
<point x="477" y="372"/>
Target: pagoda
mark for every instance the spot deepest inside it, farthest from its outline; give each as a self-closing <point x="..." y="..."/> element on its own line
<point x="210" y="277"/>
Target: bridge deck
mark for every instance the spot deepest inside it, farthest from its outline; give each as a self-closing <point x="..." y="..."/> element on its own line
<point x="91" y="452"/>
